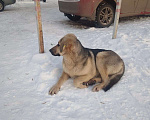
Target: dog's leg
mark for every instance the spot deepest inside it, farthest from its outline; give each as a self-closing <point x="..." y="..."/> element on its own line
<point x="111" y="69"/>
<point x="101" y="66"/>
<point x="79" y="81"/>
<point x="55" y="89"/>
<point x="99" y="86"/>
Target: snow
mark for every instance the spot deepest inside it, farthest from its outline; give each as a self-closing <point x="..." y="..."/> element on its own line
<point x="26" y="76"/>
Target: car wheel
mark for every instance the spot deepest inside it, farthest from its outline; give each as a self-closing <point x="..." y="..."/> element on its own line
<point x="1" y="6"/>
<point x="73" y="17"/>
<point x="105" y="15"/>
<point x="44" y="0"/>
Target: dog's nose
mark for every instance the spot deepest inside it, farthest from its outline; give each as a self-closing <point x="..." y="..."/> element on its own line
<point x="50" y="50"/>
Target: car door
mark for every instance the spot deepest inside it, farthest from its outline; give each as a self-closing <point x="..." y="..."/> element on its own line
<point x="141" y="6"/>
<point x="148" y="7"/>
<point x="128" y="6"/>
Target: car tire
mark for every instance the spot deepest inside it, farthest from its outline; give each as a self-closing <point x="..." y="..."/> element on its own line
<point x="44" y="0"/>
<point x="73" y="17"/>
<point x="105" y="15"/>
<point x="1" y="6"/>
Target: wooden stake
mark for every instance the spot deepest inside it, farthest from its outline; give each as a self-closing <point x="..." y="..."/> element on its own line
<point x="39" y="25"/>
<point x="117" y="14"/>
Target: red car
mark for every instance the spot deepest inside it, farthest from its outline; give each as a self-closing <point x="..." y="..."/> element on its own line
<point x="102" y="11"/>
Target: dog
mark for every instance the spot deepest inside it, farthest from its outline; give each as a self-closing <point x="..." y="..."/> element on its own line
<point x="87" y="66"/>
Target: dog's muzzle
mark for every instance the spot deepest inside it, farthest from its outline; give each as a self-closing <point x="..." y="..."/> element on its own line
<point x="53" y="52"/>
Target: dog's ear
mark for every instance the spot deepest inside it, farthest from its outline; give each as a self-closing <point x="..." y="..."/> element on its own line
<point x="66" y="48"/>
<point x="61" y="47"/>
<point x="69" y="47"/>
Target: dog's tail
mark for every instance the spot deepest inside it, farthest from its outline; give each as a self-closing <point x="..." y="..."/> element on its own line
<point x="114" y="80"/>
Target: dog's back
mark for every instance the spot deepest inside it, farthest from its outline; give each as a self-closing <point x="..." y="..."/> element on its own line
<point x="106" y="60"/>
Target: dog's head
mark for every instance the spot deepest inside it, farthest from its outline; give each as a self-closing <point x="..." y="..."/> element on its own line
<point x="66" y="45"/>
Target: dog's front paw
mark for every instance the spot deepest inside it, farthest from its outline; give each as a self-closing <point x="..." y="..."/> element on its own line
<point x="54" y="90"/>
<point x="90" y="82"/>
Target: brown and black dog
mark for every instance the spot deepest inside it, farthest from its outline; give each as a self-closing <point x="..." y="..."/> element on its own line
<point x="87" y="66"/>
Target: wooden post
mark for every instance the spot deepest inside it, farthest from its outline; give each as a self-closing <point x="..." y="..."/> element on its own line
<point x="117" y="14"/>
<point x="39" y="25"/>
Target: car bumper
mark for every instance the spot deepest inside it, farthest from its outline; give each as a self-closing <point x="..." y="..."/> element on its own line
<point x="83" y="8"/>
<point x="69" y="7"/>
<point x="8" y="2"/>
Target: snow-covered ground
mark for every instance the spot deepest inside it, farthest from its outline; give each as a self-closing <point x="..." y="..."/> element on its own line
<point x="26" y="76"/>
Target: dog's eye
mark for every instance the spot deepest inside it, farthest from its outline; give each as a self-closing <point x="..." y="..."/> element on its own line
<point x="58" y="45"/>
